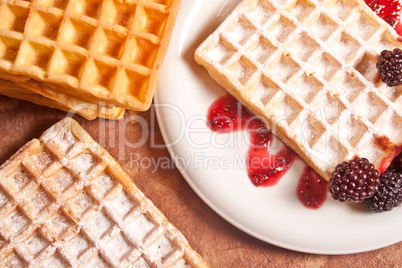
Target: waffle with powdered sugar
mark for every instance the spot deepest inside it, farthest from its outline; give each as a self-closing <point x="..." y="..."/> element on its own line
<point x="308" y="69"/>
<point x="64" y="201"/>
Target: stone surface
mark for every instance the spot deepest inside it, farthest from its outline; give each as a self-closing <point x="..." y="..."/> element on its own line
<point x="135" y="137"/>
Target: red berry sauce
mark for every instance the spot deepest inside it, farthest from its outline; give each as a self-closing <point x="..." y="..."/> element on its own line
<point x="388" y="10"/>
<point x="265" y="168"/>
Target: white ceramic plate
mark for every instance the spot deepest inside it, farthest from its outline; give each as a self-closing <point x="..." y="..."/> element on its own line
<point x="214" y="164"/>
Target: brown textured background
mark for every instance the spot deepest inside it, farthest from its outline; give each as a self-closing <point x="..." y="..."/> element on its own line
<point x="221" y="244"/>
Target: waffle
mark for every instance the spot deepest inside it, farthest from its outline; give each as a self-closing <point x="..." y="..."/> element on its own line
<point x="308" y="69"/>
<point x="94" y="50"/>
<point x="65" y="202"/>
<point x="87" y="110"/>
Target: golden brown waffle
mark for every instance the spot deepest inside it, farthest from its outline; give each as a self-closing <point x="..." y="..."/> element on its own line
<point x="65" y="202"/>
<point x="94" y="50"/>
<point x="308" y="68"/>
<point x="86" y="110"/>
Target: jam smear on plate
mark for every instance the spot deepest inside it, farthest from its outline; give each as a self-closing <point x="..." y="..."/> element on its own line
<point x="264" y="167"/>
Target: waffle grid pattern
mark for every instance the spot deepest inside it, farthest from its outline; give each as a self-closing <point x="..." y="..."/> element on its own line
<point x="64" y="202"/>
<point x="94" y="49"/>
<point x="308" y="67"/>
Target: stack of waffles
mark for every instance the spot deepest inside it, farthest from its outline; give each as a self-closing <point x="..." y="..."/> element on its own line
<point x="308" y="68"/>
<point x="65" y="202"/>
<point x="93" y="57"/>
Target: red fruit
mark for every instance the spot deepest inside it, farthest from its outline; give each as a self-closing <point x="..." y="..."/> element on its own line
<point x="388" y="10"/>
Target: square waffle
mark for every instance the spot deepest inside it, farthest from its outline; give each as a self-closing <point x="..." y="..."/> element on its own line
<point x="65" y="202"/>
<point x="308" y="69"/>
<point x="97" y="50"/>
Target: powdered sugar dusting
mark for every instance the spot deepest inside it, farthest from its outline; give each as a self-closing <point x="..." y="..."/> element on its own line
<point x="73" y="217"/>
<point x="62" y="180"/>
<point x="83" y="163"/>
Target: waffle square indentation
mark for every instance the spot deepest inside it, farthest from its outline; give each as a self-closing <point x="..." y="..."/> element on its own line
<point x="323" y="27"/>
<point x="17" y="221"/>
<point x="67" y="63"/>
<point x="9" y="48"/>
<point x="43" y="159"/>
<point x="37" y="242"/>
<point x="122" y="205"/>
<point x="83" y="163"/>
<point x="262" y="12"/>
<point x="312" y="130"/>
<point x="133" y="83"/>
<point x="282" y="69"/>
<point x="120" y="13"/>
<point x="99" y="225"/>
<point x="78" y="246"/>
<point x="105" y="182"/>
<point x="119" y="246"/>
<point x="56" y="260"/>
<point x="345" y="46"/>
<point x="59" y="223"/>
<point x="22" y="177"/>
<point x="142" y="52"/>
<point x="242" y="70"/>
<point x="352" y="129"/>
<point x="367" y="67"/>
<point x="151" y="21"/>
<point x="43" y="24"/>
<point x="301" y="9"/>
<point x="286" y="109"/>
<point x="76" y="33"/>
<point x="141" y="227"/>
<point x="303" y="46"/>
<point x="349" y="86"/>
<point x="80" y="204"/>
<point x="370" y="106"/>
<point x="327" y="66"/>
<point x="34" y="54"/>
<point x="281" y="29"/>
<point x="264" y="91"/>
<point x="15" y="260"/>
<point x="364" y="27"/>
<point x="240" y="31"/>
<point x="110" y="43"/>
<point x="62" y="143"/>
<point x="16" y="17"/>
<point x="329" y="151"/>
<point x="100" y="74"/>
<point x="161" y="249"/>
<point x="342" y="9"/>
<point x="40" y="200"/>
<point x="89" y="8"/>
<point x="220" y="50"/>
<point x="261" y="50"/>
<point x="306" y="86"/>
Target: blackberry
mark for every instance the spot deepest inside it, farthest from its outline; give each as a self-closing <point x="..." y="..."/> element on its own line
<point x="389" y="194"/>
<point x="389" y="66"/>
<point x="397" y="163"/>
<point x="354" y="181"/>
